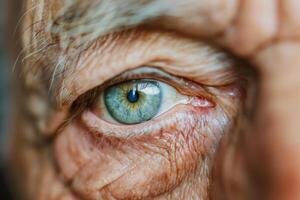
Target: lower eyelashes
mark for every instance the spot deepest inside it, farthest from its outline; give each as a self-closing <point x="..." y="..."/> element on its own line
<point x="181" y="116"/>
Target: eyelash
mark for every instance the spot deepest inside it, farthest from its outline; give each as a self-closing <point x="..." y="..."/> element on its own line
<point x="184" y="117"/>
<point x="185" y="87"/>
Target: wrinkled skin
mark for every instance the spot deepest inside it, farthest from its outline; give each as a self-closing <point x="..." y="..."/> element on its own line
<point x="259" y="160"/>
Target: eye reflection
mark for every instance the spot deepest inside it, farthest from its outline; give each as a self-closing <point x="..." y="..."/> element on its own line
<point x="137" y="101"/>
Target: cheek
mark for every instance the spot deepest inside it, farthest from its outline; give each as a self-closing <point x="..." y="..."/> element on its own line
<point x="140" y="167"/>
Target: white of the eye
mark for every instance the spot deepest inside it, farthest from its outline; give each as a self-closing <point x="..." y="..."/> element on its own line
<point x="170" y="98"/>
<point x="151" y="90"/>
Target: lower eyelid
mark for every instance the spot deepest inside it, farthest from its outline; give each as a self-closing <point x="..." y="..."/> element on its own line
<point x="176" y="114"/>
<point x="101" y="127"/>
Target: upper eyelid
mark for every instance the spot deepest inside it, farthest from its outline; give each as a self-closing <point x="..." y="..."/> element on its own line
<point x="135" y="73"/>
<point x="183" y="86"/>
<point x="198" y="57"/>
<point x="143" y="72"/>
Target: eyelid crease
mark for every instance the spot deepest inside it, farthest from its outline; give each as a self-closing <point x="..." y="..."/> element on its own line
<point x="182" y="85"/>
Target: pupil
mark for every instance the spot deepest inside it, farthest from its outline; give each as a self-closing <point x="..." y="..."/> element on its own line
<point x="133" y="96"/>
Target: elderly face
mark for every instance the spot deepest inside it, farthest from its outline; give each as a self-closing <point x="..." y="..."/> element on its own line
<point x="158" y="99"/>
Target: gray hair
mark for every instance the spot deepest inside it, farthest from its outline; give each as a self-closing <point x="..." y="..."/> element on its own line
<point x="88" y="20"/>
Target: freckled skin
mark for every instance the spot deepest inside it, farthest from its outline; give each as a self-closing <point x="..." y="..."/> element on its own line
<point x="257" y="160"/>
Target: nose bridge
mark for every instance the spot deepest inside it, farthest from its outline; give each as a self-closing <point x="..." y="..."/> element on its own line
<point x="277" y="121"/>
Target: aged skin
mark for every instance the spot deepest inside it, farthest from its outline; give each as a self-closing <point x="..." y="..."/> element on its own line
<point x="235" y="139"/>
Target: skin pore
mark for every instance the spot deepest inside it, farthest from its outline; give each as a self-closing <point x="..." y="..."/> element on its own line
<point x="193" y="152"/>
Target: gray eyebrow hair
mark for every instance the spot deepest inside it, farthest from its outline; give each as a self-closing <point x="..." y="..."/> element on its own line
<point x="82" y="21"/>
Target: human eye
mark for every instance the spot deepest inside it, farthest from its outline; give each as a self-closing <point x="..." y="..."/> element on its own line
<point x="141" y="95"/>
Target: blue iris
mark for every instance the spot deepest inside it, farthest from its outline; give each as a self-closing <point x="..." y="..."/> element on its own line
<point x="133" y="102"/>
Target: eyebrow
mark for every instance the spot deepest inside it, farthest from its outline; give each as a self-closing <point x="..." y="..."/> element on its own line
<point x="88" y="20"/>
<point x="59" y="26"/>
